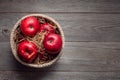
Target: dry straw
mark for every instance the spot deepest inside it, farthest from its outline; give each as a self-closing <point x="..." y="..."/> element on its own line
<point x="13" y="43"/>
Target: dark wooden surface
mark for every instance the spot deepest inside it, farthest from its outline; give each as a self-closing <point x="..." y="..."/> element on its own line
<point x="92" y="33"/>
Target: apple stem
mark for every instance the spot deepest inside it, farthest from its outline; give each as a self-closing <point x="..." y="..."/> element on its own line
<point x="31" y="27"/>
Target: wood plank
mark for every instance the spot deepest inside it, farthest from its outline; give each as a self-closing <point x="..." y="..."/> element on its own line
<point x="77" y="27"/>
<point x="77" y="56"/>
<point x="19" y="75"/>
<point x="59" y="6"/>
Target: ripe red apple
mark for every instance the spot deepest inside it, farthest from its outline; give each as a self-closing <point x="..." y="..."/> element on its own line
<point x="27" y="51"/>
<point x="29" y="26"/>
<point x="52" y="43"/>
<point x="46" y="28"/>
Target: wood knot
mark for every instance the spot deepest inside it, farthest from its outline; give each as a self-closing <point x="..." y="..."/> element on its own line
<point x="5" y="31"/>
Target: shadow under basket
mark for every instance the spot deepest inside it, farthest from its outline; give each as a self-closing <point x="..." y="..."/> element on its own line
<point x="13" y="37"/>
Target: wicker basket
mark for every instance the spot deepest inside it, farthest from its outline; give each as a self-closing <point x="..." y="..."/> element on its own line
<point x="13" y="44"/>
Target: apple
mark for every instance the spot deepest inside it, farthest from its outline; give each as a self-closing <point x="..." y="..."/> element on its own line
<point x="46" y="28"/>
<point x="27" y="51"/>
<point x="29" y="26"/>
<point x="52" y="43"/>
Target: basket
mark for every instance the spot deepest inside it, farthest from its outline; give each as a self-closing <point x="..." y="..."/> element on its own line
<point x="13" y="43"/>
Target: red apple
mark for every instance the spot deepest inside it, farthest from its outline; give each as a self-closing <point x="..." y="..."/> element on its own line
<point x="46" y="28"/>
<point x="52" y="43"/>
<point x="29" y="26"/>
<point x="27" y="51"/>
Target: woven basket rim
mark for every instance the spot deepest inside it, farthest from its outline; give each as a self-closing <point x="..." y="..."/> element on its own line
<point x="35" y="65"/>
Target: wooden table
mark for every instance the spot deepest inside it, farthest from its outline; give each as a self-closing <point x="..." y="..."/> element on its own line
<point x="92" y="46"/>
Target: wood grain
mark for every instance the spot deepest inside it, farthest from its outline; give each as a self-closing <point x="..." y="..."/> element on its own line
<point x="77" y="57"/>
<point x="15" y="75"/>
<point x="92" y="47"/>
<point x="60" y="6"/>
<point x="77" y="27"/>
